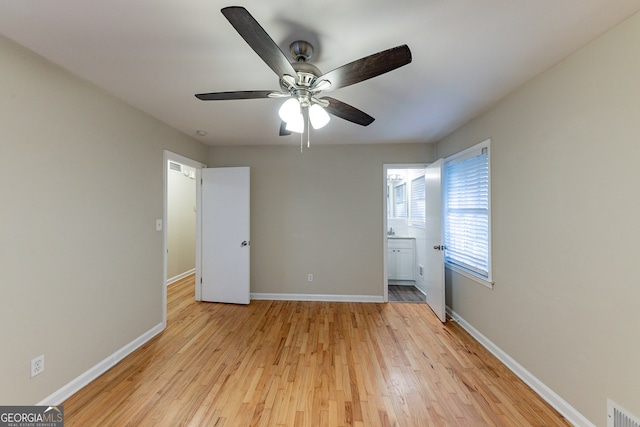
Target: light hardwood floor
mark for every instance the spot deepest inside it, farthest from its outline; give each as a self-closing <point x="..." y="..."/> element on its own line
<point x="284" y="363"/>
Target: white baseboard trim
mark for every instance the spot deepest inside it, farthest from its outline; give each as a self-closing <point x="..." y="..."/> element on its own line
<point x="180" y="276"/>
<point x="551" y="397"/>
<point x="316" y="297"/>
<point x="74" y="386"/>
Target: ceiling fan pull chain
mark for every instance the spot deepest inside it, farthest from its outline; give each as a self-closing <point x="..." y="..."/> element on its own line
<point x="308" y="132"/>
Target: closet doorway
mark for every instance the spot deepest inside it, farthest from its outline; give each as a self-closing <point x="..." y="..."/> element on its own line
<point x="179" y="219"/>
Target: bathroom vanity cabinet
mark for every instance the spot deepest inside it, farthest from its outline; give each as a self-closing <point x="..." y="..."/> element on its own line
<point x="401" y="258"/>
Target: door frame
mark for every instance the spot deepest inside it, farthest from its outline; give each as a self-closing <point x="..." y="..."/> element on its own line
<point x="168" y="156"/>
<point x="385" y="227"/>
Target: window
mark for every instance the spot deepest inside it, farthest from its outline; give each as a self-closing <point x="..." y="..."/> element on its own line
<point x="417" y="209"/>
<point x="467" y="220"/>
<point x="400" y="205"/>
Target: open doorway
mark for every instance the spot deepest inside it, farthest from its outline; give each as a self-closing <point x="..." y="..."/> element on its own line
<point x="179" y="219"/>
<point x="404" y="233"/>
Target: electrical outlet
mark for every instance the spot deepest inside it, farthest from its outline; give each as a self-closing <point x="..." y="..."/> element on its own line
<point x="309" y="277"/>
<point x="37" y="365"/>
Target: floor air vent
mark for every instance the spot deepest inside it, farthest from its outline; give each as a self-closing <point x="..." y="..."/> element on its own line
<point x="618" y="417"/>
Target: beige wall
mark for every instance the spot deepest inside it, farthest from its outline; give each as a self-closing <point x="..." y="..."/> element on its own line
<point x="318" y="212"/>
<point x="181" y="223"/>
<point x="81" y="262"/>
<point x="565" y="206"/>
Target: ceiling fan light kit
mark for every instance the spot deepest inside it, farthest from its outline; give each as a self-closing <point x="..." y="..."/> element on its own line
<point x="318" y="116"/>
<point x="290" y="110"/>
<point x="291" y="113"/>
<point x="302" y="82"/>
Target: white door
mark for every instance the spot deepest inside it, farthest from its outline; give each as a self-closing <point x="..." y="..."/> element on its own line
<point x="434" y="268"/>
<point x="224" y="225"/>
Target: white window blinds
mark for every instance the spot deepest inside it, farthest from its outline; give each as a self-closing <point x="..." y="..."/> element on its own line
<point x="417" y="208"/>
<point x="467" y="239"/>
<point x="400" y="201"/>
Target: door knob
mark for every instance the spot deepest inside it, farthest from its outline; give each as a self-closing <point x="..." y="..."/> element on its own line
<point x="244" y="243"/>
<point x="439" y="247"/>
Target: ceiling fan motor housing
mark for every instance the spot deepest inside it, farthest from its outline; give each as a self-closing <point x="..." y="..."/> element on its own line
<point x="301" y="50"/>
<point x="307" y="75"/>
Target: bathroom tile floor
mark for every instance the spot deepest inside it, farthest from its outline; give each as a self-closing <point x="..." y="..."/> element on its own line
<point x="404" y="293"/>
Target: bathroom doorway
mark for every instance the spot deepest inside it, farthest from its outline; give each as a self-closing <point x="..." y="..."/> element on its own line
<point x="404" y="233"/>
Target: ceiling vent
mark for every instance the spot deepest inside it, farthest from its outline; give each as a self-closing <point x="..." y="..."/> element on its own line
<point x="177" y="167"/>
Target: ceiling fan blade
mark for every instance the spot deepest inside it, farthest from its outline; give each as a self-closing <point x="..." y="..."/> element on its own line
<point x="283" y="129"/>
<point x="368" y="67"/>
<point x="259" y="40"/>
<point x="243" y="94"/>
<point x="347" y="112"/>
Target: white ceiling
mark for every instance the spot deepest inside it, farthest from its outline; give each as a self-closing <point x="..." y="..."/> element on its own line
<point x="155" y="55"/>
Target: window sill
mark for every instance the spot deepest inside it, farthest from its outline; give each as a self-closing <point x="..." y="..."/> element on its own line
<point x="469" y="275"/>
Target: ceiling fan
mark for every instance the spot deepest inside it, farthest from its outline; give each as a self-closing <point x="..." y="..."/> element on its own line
<point x="302" y="82"/>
